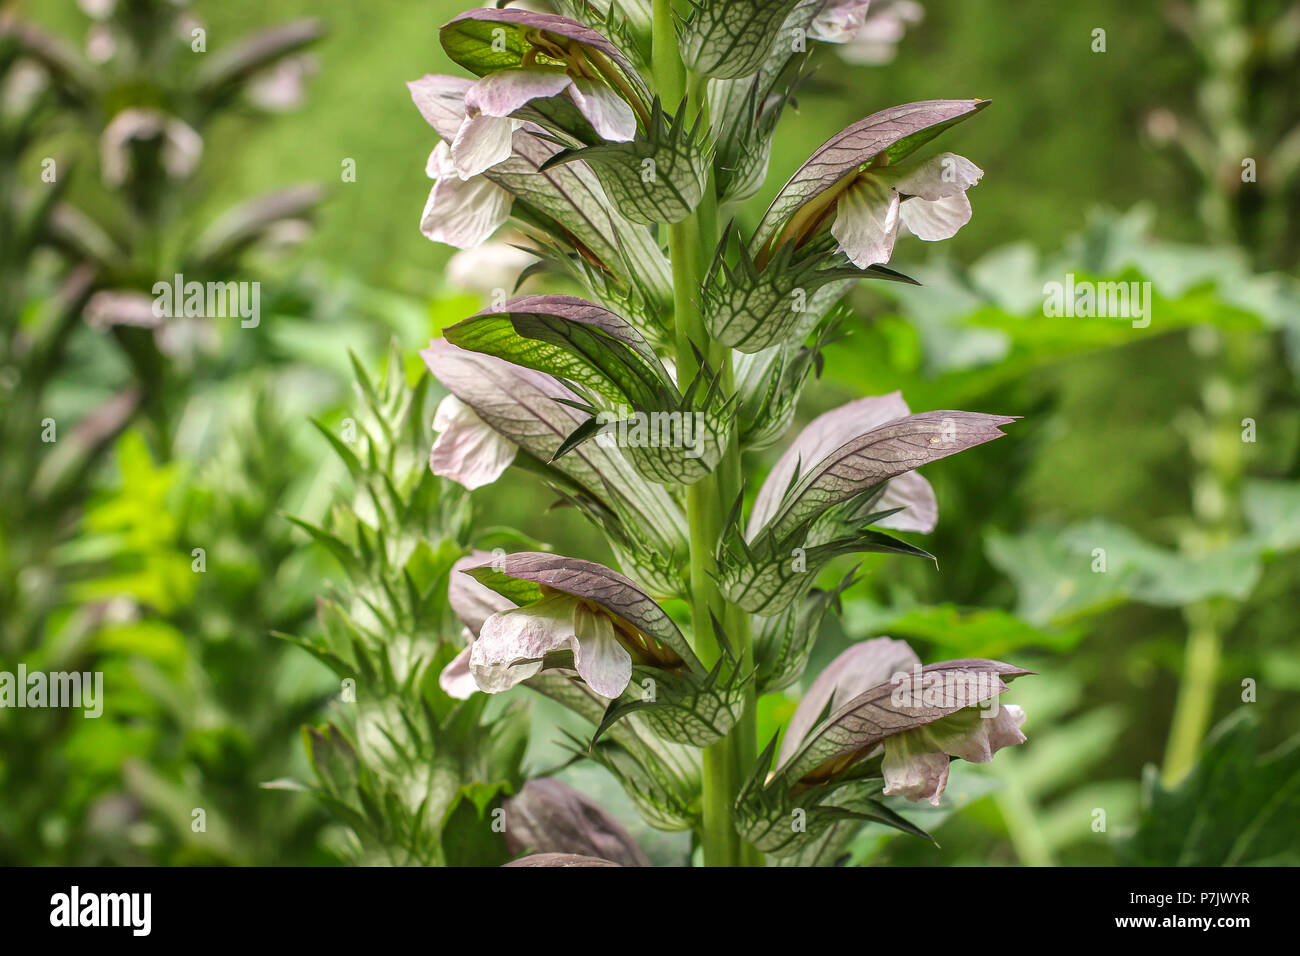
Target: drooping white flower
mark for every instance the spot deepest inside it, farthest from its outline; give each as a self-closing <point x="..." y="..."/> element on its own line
<point x="512" y="645"/>
<point x="915" y="765"/>
<point x="879" y="702"/>
<point x="927" y="196"/>
<point x="557" y="58"/>
<point x="839" y="20"/>
<point x="97" y="9"/>
<point x="574" y="617"/>
<point x="181" y="145"/>
<point x="283" y="86"/>
<point x="473" y="603"/>
<point x="876" y="40"/>
<point x="484" y="138"/>
<point x="101" y="45"/>
<point x="455" y="679"/>
<point x="461" y="211"/>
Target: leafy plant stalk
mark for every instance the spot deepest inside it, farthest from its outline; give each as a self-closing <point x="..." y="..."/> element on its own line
<point x="689" y="243"/>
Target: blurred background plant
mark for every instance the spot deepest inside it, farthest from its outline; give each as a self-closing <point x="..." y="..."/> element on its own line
<point x="1172" y="448"/>
<point x="159" y="558"/>
<point x="411" y="774"/>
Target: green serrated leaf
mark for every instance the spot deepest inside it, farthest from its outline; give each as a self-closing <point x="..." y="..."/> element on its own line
<point x="726" y="39"/>
<point x="658" y="177"/>
<point x="770" y="580"/>
<point x="750" y="309"/>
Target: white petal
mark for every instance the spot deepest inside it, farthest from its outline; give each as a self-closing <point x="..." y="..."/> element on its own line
<point x="456" y="680"/>
<point x="439" y="164"/>
<point x="182" y="148"/>
<point x="598" y="657"/>
<point x="939" y="177"/>
<point x="503" y="92"/>
<point x="866" y="222"/>
<point x="913" y="771"/>
<point x="936" y="220"/>
<point x="441" y="101"/>
<point x="512" y="643"/>
<point x="481" y="142"/>
<point x="977" y="733"/>
<point x="464" y="213"/>
<point x="838" y="21"/>
<point x="467" y="450"/>
<point x="471" y="601"/>
<point x="606" y="111"/>
<point x="914" y="495"/>
<point x="127" y="125"/>
<point x="916" y="762"/>
<point x="823" y="435"/>
<point x="1005" y="730"/>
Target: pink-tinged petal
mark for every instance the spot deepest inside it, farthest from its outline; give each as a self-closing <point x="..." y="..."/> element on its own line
<point x="913" y="759"/>
<point x="908" y="704"/>
<point x="182" y="149"/>
<point x="939" y="177"/>
<point x="127" y="125"/>
<point x="977" y="734"/>
<point x="439" y="164"/>
<point x="839" y="20"/>
<point x="598" y="657"/>
<point x="606" y="111"/>
<point x="481" y="142"/>
<point x="823" y="435"/>
<point x="850" y="150"/>
<point x="471" y="601"/>
<point x="619" y="597"/>
<point x="441" y="101"/>
<point x="467" y="451"/>
<point x="866" y="222"/>
<point x="503" y="92"/>
<point x="914" y="771"/>
<point x="914" y="495"/>
<point x="1005" y="730"/>
<point x="861" y="667"/>
<point x="511" y="645"/>
<point x="108" y="308"/>
<point x="464" y="214"/>
<point x="936" y="220"/>
<point x="456" y="680"/>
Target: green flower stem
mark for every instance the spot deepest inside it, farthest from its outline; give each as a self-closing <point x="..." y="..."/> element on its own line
<point x="1020" y="816"/>
<point x="1217" y="448"/>
<point x="690" y="245"/>
<point x="1195" y="703"/>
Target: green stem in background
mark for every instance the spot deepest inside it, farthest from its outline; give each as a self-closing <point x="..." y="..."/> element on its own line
<point x="1020" y="817"/>
<point x="1217" y="447"/>
<point x="690" y="244"/>
<point x="1195" y="703"/>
